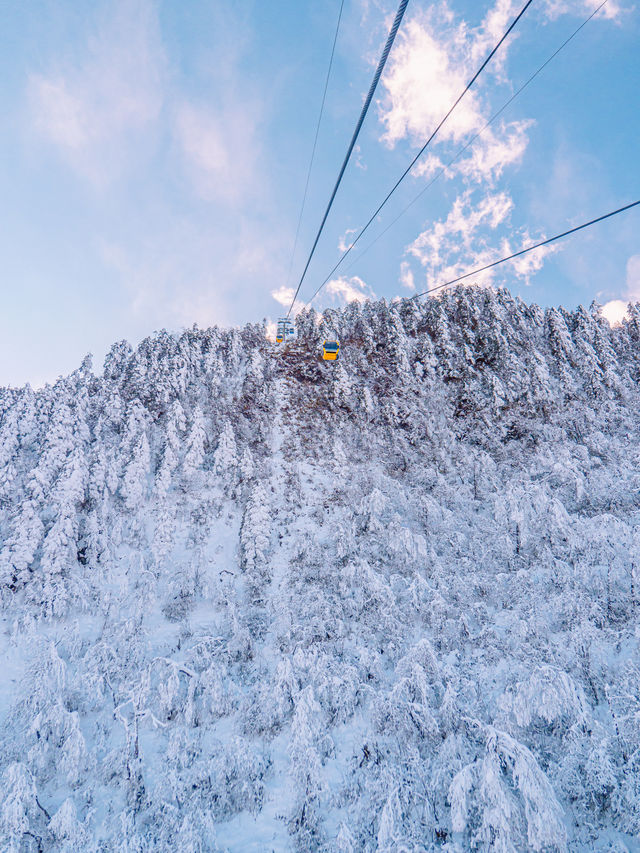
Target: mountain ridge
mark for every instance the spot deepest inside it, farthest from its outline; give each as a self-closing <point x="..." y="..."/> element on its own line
<point x="252" y="601"/>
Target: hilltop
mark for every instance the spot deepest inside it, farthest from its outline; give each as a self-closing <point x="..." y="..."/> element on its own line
<point x="252" y="601"/>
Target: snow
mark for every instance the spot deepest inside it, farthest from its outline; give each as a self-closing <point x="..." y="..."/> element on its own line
<point x="251" y="601"/>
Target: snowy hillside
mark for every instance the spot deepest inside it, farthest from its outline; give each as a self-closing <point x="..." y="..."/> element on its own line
<point x="251" y="601"/>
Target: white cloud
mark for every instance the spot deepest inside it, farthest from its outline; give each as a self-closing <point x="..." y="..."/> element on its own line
<point x="492" y="153"/>
<point x="555" y="8"/>
<point x="283" y="295"/>
<point x="112" y="106"/>
<point x="349" y="289"/>
<point x="168" y="286"/>
<point x="615" y="310"/>
<point x="406" y="276"/>
<point x="62" y="114"/>
<point x="94" y="109"/>
<point x="460" y="227"/>
<point x="491" y="31"/>
<point x="358" y="161"/>
<point x="344" y="243"/>
<point x="633" y="277"/>
<point x="202" y="136"/>
<point x="429" y="69"/>
<point x="220" y="150"/>
<point x="179" y="270"/>
<point x="462" y="242"/>
<point x="429" y="166"/>
<point x="220" y="139"/>
<point x="340" y="291"/>
<point x="436" y="57"/>
<point x="524" y="266"/>
<point x="104" y="110"/>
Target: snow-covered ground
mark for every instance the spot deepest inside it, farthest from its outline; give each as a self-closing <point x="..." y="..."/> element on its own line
<point x="255" y="602"/>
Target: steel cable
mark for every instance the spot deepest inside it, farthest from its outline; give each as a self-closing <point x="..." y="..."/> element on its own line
<point x="457" y="156"/>
<point x="424" y="147"/>
<point x="528" y="249"/>
<point x="315" y="142"/>
<point x="376" y="77"/>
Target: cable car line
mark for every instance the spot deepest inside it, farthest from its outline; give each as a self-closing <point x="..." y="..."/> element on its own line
<point x="457" y="156"/>
<point x="315" y="142"/>
<point x="365" y="107"/>
<point x="422" y="150"/>
<point x="528" y="249"/>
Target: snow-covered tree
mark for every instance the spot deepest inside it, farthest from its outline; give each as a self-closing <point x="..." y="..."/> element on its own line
<point x="225" y="457"/>
<point x="20" y="548"/>
<point x="386" y="603"/>
<point x="196" y="445"/>
<point x="134" y="481"/>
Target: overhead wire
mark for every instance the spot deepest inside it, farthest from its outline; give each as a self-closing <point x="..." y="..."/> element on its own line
<point x="315" y="142"/>
<point x="365" y="107"/>
<point x="527" y="249"/>
<point x="424" y="147"/>
<point x="457" y="156"/>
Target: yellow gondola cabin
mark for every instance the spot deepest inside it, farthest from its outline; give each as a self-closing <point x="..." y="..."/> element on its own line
<point x="330" y="350"/>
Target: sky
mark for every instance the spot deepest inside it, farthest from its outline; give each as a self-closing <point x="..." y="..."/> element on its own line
<point x="154" y="159"/>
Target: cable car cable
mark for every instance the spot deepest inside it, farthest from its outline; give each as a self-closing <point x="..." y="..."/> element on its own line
<point x="365" y="107"/>
<point x="315" y="142"/>
<point x="528" y="249"/>
<point x="442" y="169"/>
<point x="424" y="147"/>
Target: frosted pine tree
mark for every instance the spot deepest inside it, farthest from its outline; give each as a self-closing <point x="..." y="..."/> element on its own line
<point x="59" y="555"/>
<point x="20" y="548"/>
<point x="389" y="828"/>
<point x="176" y="425"/>
<point x="254" y="534"/>
<point x="254" y="541"/>
<point x="70" y="835"/>
<point x="196" y="445"/>
<point x="225" y="457"/>
<point x="8" y="448"/>
<point x="134" y="480"/>
<point x="305" y="763"/>
<point x="247" y="465"/>
<point x="20" y="817"/>
<point x="419" y="632"/>
<point x="58" y="443"/>
<point x="341" y="386"/>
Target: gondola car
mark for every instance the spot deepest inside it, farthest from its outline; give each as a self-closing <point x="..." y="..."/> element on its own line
<point x="285" y="330"/>
<point x="330" y="350"/>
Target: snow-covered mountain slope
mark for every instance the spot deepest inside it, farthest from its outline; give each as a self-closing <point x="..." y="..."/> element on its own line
<point x="252" y="601"/>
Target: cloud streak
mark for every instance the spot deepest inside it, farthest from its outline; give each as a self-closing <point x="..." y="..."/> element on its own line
<point x="462" y="241"/>
<point x="349" y="289"/>
<point x="94" y="110"/>
<point x="438" y="53"/>
<point x="220" y="150"/>
<point x="615" y="310"/>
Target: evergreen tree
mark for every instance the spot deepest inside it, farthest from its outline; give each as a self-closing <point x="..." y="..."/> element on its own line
<point x="226" y="455"/>
<point x="196" y="445"/>
<point x="412" y="627"/>
<point x="134" y="480"/>
<point x="19" y="551"/>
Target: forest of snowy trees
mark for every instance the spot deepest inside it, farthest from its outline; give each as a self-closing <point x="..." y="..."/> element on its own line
<point x="251" y="601"/>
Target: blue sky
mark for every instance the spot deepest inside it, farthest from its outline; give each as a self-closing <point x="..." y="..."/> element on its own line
<point x="154" y="157"/>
